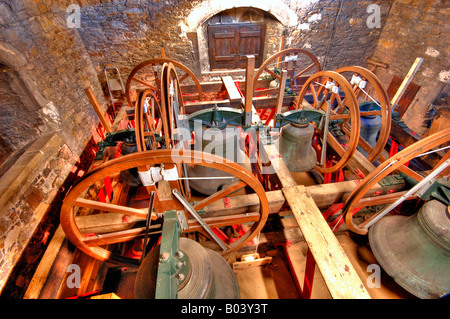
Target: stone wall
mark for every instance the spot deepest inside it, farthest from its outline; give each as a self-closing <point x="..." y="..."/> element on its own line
<point x="417" y="29"/>
<point x="123" y="33"/>
<point x="340" y="33"/>
<point x="51" y="62"/>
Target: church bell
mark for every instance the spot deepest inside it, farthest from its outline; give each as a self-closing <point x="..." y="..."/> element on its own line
<point x="295" y="147"/>
<point x="415" y="250"/>
<point x="209" y="275"/>
<point x="223" y="143"/>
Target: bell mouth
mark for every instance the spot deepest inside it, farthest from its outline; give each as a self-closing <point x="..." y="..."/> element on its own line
<point x="410" y="256"/>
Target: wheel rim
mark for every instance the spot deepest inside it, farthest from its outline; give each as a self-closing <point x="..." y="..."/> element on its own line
<point x="387" y="167"/>
<point x="384" y="103"/>
<point x="271" y="62"/>
<point x="348" y="104"/>
<point x="154" y="81"/>
<point x="90" y="245"/>
<point x="145" y="121"/>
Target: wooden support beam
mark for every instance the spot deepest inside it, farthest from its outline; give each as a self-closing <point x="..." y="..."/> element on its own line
<point x="249" y="75"/>
<point x="232" y="91"/>
<point x="98" y="110"/>
<point x="398" y="95"/>
<point x="269" y="154"/>
<point x="336" y="268"/>
<point x="281" y="92"/>
<point x="41" y="274"/>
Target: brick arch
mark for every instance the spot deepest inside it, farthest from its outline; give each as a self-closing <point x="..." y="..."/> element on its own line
<point x="209" y="8"/>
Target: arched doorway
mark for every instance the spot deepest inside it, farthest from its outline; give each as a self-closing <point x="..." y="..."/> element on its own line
<point x="277" y="17"/>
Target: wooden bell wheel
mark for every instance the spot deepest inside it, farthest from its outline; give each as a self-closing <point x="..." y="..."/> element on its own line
<point x="148" y="108"/>
<point x="171" y="107"/>
<point x="147" y="116"/>
<point x="147" y="75"/>
<point x="368" y="87"/>
<point x="328" y="88"/>
<point x="298" y="64"/>
<point x="171" y="103"/>
<point x="356" y="198"/>
<point x="95" y="243"/>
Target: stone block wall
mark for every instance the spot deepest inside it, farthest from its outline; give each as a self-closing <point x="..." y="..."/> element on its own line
<point x="123" y="33"/>
<point x="417" y="29"/>
<point x="339" y="33"/>
<point x="51" y="62"/>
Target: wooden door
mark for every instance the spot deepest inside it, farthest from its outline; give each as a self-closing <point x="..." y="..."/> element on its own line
<point x="229" y="44"/>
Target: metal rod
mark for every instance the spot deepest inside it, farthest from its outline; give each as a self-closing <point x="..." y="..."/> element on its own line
<point x="325" y="133"/>
<point x="370" y="97"/>
<point x="433" y="151"/>
<point x="216" y="177"/>
<point x="413" y="190"/>
<point x="192" y="211"/>
<point x="147" y="224"/>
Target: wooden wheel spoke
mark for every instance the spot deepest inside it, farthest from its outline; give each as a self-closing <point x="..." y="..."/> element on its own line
<point x="304" y="70"/>
<point x="276" y="76"/>
<point x="114" y="237"/>
<point x="87" y="203"/>
<point x="144" y="83"/>
<point x="314" y="94"/>
<point x="183" y="77"/>
<point x="220" y="194"/>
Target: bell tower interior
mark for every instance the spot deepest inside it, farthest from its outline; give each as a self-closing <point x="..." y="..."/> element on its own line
<point x="207" y="149"/>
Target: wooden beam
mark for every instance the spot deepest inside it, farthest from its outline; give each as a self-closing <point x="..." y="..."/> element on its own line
<point x="337" y="271"/>
<point x="41" y="274"/>
<point x="281" y="92"/>
<point x="98" y="110"/>
<point x="249" y="75"/>
<point x="82" y="202"/>
<point x="269" y="154"/>
<point x="232" y="91"/>
<point x="398" y="95"/>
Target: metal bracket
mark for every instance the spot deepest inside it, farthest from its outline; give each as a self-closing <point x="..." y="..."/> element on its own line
<point x="173" y="266"/>
<point x="299" y="116"/>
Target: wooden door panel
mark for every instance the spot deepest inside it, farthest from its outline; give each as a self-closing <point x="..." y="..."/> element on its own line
<point x="230" y="44"/>
<point x="221" y="45"/>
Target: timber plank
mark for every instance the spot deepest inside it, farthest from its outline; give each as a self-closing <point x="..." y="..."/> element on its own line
<point x="337" y="270"/>
<point x="42" y="272"/>
<point x="270" y="153"/>
<point x="232" y="91"/>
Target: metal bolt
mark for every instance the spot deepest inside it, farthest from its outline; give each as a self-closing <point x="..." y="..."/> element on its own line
<point x="179" y="253"/>
<point x="164" y="256"/>
<point x="180" y="277"/>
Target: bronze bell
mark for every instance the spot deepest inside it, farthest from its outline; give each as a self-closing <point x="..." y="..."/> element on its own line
<point x="209" y="276"/>
<point x="224" y="143"/>
<point x="415" y="250"/>
<point x="295" y="146"/>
